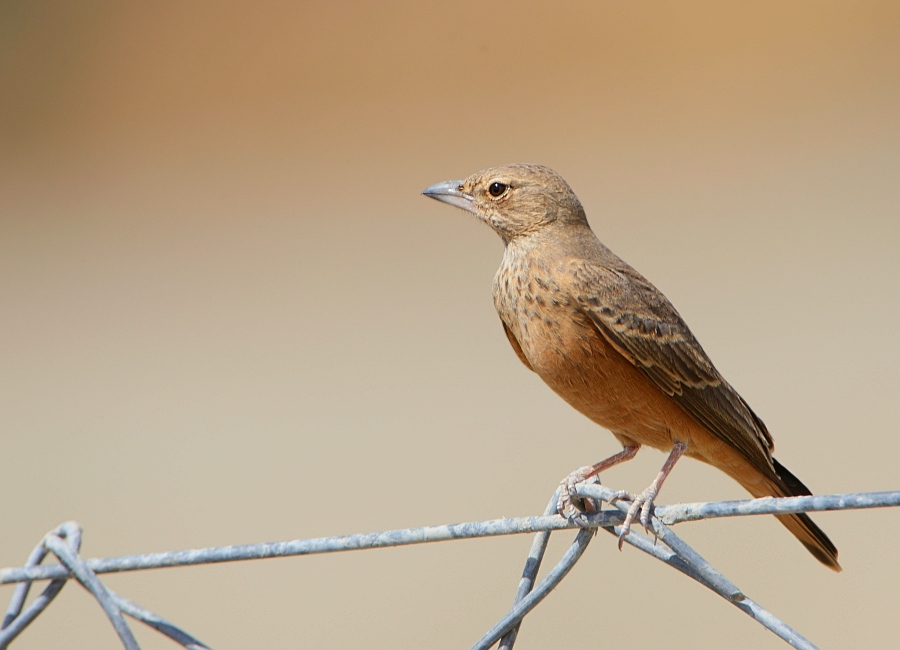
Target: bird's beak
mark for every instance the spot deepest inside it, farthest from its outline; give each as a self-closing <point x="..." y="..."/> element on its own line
<point x="450" y="192"/>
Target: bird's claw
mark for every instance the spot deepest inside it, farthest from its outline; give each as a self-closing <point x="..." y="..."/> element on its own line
<point x="646" y="513"/>
<point x="642" y="503"/>
<point x="570" y="505"/>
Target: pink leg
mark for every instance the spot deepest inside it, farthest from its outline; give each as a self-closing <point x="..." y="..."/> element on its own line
<point x="566" y="505"/>
<point x="644" y="501"/>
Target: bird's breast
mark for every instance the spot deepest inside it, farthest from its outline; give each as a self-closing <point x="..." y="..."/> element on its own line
<point x="555" y="336"/>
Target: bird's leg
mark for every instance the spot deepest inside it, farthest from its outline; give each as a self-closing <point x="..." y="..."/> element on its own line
<point x="568" y="503"/>
<point x="644" y="501"/>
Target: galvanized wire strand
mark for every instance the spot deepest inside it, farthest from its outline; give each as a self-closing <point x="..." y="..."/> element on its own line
<point x="17" y="601"/>
<point x="89" y="581"/>
<point x="715" y="580"/>
<point x="705" y="573"/>
<point x="729" y="591"/>
<point x="15" y="621"/>
<point x="21" y="593"/>
<point x="529" y="573"/>
<point x="747" y="605"/>
<point x="529" y="602"/>
<point x="17" y="625"/>
<point x="775" y="506"/>
<point x="65" y="541"/>
<point x="403" y="537"/>
<point x="679" y="555"/>
<point x="158" y="623"/>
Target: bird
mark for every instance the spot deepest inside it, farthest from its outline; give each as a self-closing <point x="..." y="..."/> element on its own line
<point x="608" y="342"/>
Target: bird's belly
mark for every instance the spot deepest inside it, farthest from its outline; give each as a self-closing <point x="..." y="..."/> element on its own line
<point x="588" y="373"/>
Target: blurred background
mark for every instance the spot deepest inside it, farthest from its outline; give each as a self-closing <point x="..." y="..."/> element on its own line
<point x="228" y="316"/>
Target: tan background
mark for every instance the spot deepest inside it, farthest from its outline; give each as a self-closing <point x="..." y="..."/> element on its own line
<point x="228" y="316"/>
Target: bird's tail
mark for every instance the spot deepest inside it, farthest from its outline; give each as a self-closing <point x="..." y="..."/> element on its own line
<point x="800" y="525"/>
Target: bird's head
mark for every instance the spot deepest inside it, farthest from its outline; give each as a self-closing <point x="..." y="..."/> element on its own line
<point x="515" y="200"/>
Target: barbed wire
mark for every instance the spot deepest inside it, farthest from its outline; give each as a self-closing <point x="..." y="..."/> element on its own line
<point x="65" y="542"/>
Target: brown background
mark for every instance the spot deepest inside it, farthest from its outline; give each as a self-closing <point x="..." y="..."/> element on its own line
<point x="228" y="316"/>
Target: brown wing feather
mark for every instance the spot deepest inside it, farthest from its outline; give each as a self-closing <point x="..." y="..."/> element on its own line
<point x="516" y="347"/>
<point x="645" y="328"/>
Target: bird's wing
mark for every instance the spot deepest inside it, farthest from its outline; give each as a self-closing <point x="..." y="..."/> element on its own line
<point x="516" y="347"/>
<point x="645" y="328"/>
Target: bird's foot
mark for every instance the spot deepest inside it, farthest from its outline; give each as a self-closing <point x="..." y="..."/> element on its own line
<point x="569" y="504"/>
<point x="642" y="503"/>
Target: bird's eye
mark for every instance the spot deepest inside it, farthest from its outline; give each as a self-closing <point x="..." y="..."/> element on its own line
<point x="496" y="189"/>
